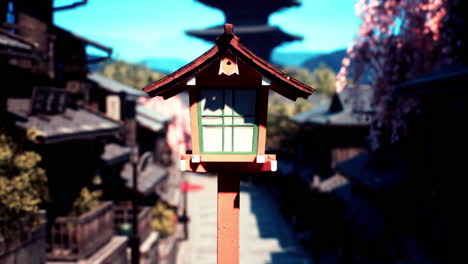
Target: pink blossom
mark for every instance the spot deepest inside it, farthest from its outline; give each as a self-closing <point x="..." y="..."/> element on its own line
<point x="397" y="40"/>
<point x="178" y="131"/>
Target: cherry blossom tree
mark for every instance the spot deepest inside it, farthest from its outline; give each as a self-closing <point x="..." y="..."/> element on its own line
<point x="399" y="40"/>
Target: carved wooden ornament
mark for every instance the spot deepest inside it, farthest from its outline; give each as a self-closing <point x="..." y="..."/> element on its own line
<point x="228" y="66"/>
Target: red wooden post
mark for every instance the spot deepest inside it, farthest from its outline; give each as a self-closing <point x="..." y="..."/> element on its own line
<point x="228" y="218"/>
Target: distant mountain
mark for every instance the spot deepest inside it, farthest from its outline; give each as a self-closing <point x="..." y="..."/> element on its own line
<point x="292" y="58"/>
<point x="309" y="60"/>
<point x="164" y="64"/>
<point x="332" y="60"/>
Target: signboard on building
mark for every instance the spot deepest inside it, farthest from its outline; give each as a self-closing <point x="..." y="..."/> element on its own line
<point x="48" y="100"/>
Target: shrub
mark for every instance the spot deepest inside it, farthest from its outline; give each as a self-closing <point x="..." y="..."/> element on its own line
<point x="23" y="186"/>
<point x="164" y="219"/>
<point x="87" y="201"/>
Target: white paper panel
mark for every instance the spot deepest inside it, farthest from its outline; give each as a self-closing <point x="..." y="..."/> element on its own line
<point x="228" y="120"/>
<point x="212" y="101"/>
<point x="243" y="139"/>
<point x="212" y="120"/>
<point x="113" y="107"/>
<point x="244" y="120"/>
<point x="227" y="139"/>
<point x="245" y="101"/>
<point x="228" y="101"/>
<point x="212" y="139"/>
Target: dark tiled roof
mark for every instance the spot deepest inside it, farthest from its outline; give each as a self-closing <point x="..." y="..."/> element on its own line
<point x="331" y="184"/>
<point x="150" y="119"/>
<point x="147" y="180"/>
<point x="72" y="124"/>
<point x="114" y="153"/>
<point x="343" y="118"/>
<point x="114" y="86"/>
<point x="367" y="170"/>
<point x="84" y="40"/>
<point x="339" y="111"/>
<point x="12" y="40"/>
<point x="281" y="82"/>
<point x="16" y="46"/>
<point x="446" y="80"/>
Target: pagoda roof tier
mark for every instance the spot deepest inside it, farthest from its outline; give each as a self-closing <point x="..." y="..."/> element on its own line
<point x="261" y="39"/>
<point x="245" y="12"/>
<point x="214" y="32"/>
<point x="175" y="82"/>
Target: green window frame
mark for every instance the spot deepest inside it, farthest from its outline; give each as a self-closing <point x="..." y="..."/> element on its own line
<point x="228" y="120"/>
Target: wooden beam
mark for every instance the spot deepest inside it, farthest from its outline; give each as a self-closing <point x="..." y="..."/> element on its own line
<point x="193" y="96"/>
<point x="262" y="119"/>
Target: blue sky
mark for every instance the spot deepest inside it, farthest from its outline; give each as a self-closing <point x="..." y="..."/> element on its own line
<point x="139" y="29"/>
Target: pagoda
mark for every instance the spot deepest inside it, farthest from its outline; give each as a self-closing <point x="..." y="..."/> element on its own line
<point x="251" y="21"/>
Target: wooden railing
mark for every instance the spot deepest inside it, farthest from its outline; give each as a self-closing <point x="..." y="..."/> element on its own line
<point x="123" y="214"/>
<point x="25" y="245"/>
<point x="75" y="238"/>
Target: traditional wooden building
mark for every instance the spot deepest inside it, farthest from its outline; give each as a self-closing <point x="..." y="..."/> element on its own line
<point x="44" y="96"/>
<point x="120" y="102"/>
<point x="330" y="133"/>
<point x="155" y="178"/>
<point x="394" y="202"/>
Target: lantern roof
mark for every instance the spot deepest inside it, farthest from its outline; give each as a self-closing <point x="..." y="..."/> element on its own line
<point x="281" y="83"/>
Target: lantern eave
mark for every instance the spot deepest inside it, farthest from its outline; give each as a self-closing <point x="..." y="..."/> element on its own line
<point x="282" y="83"/>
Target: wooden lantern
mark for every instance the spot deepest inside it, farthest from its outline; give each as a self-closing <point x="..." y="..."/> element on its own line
<point x="228" y="89"/>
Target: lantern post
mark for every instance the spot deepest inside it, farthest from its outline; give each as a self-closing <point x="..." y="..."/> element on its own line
<point x="228" y="90"/>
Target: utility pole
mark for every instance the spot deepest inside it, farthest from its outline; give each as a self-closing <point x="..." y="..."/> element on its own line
<point x="135" y="239"/>
<point x="131" y="129"/>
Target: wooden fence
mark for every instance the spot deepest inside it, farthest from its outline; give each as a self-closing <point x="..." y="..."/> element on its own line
<point x="74" y="238"/>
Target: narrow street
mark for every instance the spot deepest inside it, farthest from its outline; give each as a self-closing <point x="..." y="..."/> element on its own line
<point x="264" y="236"/>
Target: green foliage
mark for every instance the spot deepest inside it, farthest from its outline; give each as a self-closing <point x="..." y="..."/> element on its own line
<point x="164" y="219"/>
<point x="325" y="80"/>
<point x="32" y="134"/>
<point x="87" y="201"/>
<point x="23" y="186"/>
<point x="301" y="74"/>
<point x="134" y="75"/>
<point x="282" y="130"/>
<point x="322" y="78"/>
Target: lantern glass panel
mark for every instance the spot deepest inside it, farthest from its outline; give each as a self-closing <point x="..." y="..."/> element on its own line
<point x="243" y="139"/>
<point x="228" y="120"/>
<point x="245" y="102"/>
<point x="227" y="102"/>
<point x="211" y="120"/>
<point x="213" y="138"/>
<point x="212" y="101"/>
<point x="244" y="120"/>
<point x="227" y="139"/>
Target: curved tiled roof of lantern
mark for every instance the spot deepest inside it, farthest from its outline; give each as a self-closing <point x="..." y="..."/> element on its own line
<point x="170" y="85"/>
